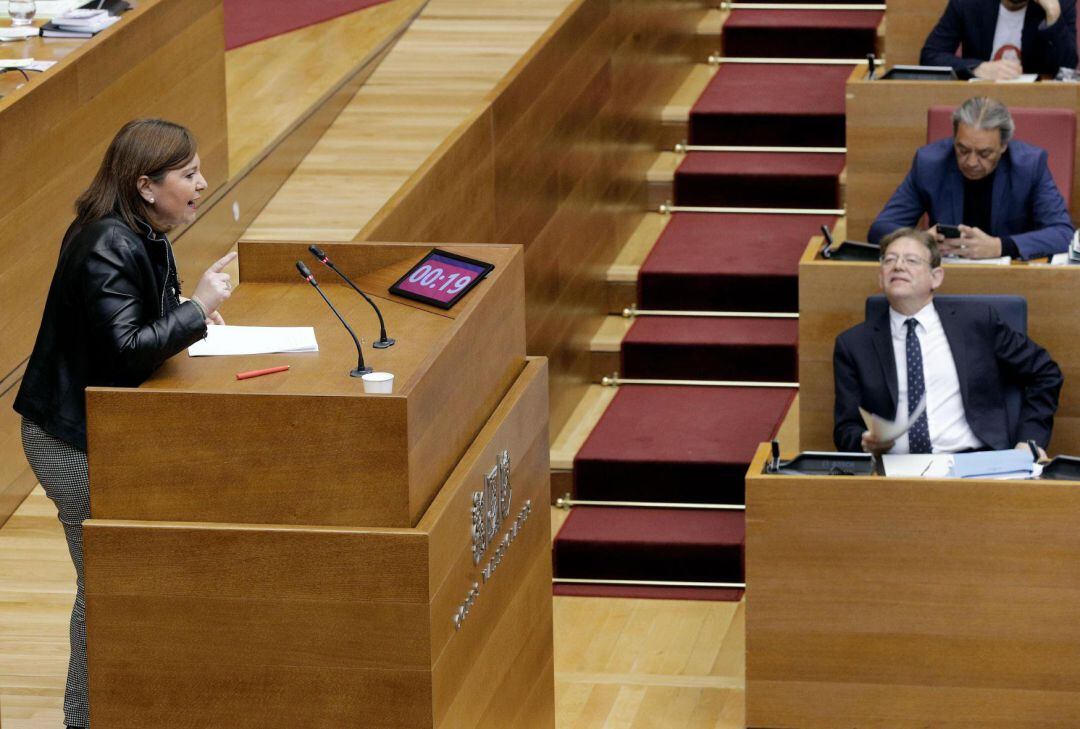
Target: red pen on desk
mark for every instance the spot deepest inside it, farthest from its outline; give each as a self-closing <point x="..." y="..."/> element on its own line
<point x="260" y="373"/>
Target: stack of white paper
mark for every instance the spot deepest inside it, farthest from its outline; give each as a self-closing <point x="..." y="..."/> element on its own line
<point x="225" y="340"/>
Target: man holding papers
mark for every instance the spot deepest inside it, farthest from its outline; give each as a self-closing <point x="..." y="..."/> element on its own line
<point x="958" y="357"/>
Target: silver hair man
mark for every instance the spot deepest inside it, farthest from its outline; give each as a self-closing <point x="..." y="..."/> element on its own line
<point x="982" y="112"/>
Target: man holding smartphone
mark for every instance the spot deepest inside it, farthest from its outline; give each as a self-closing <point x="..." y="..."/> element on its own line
<point x="986" y="195"/>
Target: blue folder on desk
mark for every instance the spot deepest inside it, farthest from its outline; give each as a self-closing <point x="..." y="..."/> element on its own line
<point x="991" y="464"/>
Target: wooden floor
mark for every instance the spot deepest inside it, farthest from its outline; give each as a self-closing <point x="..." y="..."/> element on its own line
<point x="619" y="664"/>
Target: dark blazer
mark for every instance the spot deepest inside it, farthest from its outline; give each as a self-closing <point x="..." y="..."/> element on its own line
<point x="988" y="355"/>
<point x="1027" y="205"/>
<point x="970" y="25"/>
<point x="113" y="316"/>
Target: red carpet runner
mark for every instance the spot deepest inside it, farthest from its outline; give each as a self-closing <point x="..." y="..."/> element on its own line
<point x="681" y="444"/>
<point x="247" y="21"/>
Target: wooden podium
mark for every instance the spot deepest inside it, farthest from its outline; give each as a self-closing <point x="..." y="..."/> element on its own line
<point x="893" y="602"/>
<point x="290" y="551"/>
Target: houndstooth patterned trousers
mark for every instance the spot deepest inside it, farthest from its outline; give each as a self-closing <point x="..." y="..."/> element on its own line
<point x="61" y="470"/>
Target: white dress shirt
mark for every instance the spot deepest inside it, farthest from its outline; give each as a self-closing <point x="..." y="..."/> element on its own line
<point x="949" y="429"/>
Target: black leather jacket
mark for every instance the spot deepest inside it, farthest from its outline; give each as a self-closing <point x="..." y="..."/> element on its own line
<point x="113" y="316"/>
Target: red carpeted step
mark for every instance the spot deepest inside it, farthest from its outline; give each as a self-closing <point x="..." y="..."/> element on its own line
<point x="759" y="179"/>
<point x="801" y="33"/>
<point x="765" y="104"/>
<point x="677" y="443"/>
<point x="247" y="21"/>
<point x="727" y="262"/>
<point x="692" y="348"/>
<point x="681" y="545"/>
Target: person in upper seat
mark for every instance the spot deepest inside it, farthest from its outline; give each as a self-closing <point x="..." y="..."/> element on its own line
<point x="113" y="315"/>
<point x="1001" y="40"/>
<point x="959" y="355"/>
<point x="997" y="190"/>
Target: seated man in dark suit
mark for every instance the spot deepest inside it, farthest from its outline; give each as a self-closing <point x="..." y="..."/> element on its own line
<point x="1002" y="39"/>
<point x="998" y="192"/>
<point x="959" y="355"/>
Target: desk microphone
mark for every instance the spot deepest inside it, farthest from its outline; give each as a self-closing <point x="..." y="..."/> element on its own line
<point x="827" y="250"/>
<point x="305" y="273"/>
<point x="384" y="341"/>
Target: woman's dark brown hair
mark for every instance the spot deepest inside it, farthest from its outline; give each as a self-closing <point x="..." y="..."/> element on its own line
<point x="148" y="147"/>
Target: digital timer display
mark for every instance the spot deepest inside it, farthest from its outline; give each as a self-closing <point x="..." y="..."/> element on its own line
<point x="441" y="278"/>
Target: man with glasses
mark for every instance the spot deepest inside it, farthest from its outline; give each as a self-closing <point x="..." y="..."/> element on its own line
<point x="996" y="190"/>
<point x="960" y="356"/>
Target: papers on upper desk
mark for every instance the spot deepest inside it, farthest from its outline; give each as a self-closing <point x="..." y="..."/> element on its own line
<point x="1070" y="256"/>
<point x="226" y="339"/>
<point x="886" y="431"/>
<point x="1002" y="261"/>
<point x="1024" y="78"/>
<point x="997" y="465"/>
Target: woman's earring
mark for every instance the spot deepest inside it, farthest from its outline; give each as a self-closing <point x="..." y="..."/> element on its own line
<point x="151" y="201"/>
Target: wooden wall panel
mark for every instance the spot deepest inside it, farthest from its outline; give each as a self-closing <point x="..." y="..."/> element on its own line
<point x="907" y="23"/>
<point x="564" y="142"/>
<point x="823" y="315"/>
<point x="911" y="602"/>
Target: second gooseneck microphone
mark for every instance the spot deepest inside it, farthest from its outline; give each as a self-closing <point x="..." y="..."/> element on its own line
<point x="360" y="370"/>
<point x="384" y="341"/>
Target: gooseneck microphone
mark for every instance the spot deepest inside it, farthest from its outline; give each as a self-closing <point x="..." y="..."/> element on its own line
<point x="384" y="341"/>
<point x="305" y="273"/>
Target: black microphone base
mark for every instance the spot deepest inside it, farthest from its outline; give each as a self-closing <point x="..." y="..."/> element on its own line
<point x="358" y="372"/>
<point x="384" y="343"/>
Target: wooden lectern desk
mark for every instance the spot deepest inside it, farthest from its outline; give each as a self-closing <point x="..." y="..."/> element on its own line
<point x="886" y="123"/>
<point x="895" y="602"/>
<point x="1052" y="323"/>
<point x="290" y="551"/>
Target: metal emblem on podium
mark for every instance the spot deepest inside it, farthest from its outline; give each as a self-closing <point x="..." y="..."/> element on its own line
<point x="490" y="506"/>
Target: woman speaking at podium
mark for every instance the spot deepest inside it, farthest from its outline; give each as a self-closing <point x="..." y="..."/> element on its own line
<point x="113" y="315"/>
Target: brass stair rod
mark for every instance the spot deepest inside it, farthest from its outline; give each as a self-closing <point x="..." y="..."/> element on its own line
<point x="633" y="311"/>
<point x="647" y="583"/>
<point x="716" y="60"/>
<point x="565" y="502"/>
<point x="616" y="381"/>
<point x="801" y="6"/>
<point x="683" y="147"/>
<point x="666" y="208"/>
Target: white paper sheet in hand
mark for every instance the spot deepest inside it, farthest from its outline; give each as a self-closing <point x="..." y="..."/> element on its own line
<point x="225" y="339"/>
<point x="885" y="431"/>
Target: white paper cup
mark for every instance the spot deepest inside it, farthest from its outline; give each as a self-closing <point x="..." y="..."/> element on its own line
<point x="378" y="382"/>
